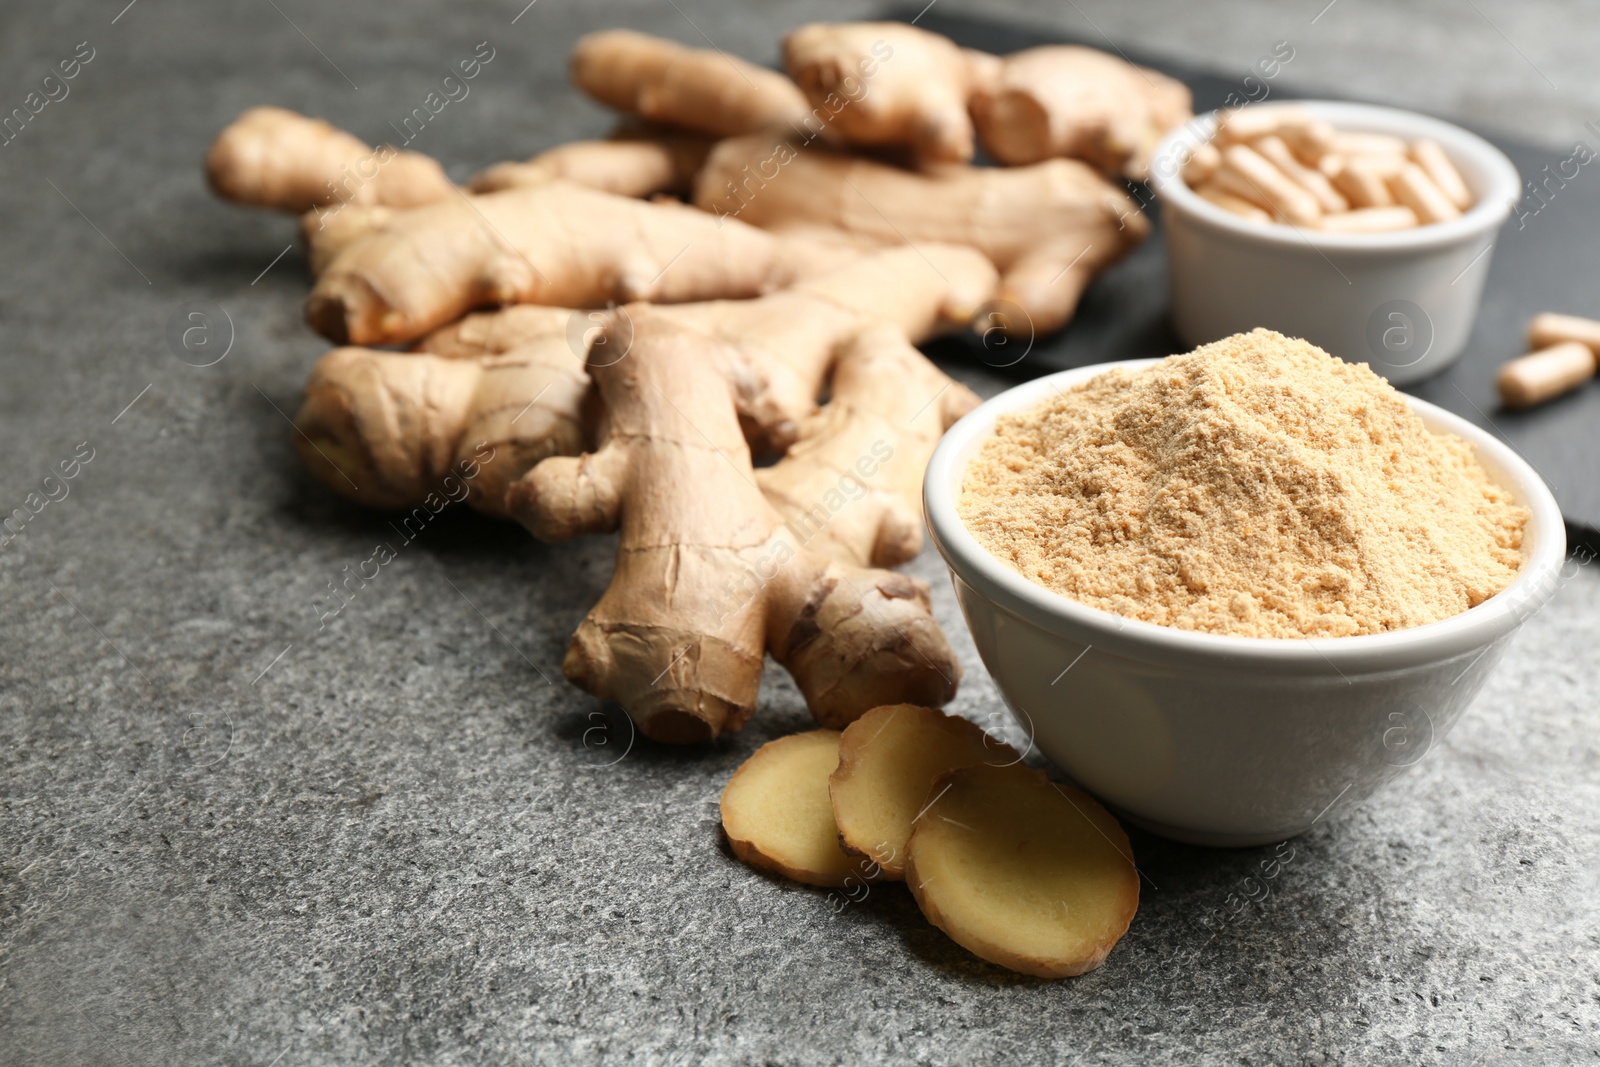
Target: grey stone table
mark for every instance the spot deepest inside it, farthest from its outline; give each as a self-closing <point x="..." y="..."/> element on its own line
<point x="232" y="834"/>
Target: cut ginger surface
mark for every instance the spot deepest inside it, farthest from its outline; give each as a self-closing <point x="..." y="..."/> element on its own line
<point x="776" y="813"/>
<point x="888" y="760"/>
<point x="1023" y="872"/>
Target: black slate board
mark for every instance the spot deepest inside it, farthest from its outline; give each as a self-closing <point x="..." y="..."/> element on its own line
<point x="1547" y="262"/>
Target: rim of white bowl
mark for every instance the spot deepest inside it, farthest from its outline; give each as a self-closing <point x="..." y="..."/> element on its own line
<point x="1544" y="551"/>
<point x="1502" y="184"/>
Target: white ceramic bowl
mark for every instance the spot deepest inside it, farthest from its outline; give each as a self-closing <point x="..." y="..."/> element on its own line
<point x="1403" y="301"/>
<point x="1226" y="740"/>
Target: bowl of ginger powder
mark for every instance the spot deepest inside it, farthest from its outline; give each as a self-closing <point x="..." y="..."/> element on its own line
<point x="1225" y="588"/>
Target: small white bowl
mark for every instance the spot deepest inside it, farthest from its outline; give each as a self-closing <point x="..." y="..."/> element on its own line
<point x="1403" y="302"/>
<point x="1221" y="740"/>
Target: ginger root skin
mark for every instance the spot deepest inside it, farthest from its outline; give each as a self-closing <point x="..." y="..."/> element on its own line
<point x="692" y="88"/>
<point x="327" y="233"/>
<point x="851" y="485"/>
<point x="713" y="570"/>
<point x="276" y="158"/>
<point x="558" y="244"/>
<point x="1065" y="100"/>
<point x="888" y="83"/>
<point x="792" y="338"/>
<point x="709" y="575"/>
<point x="386" y="429"/>
<point x="635" y="162"/>
<point x="1048" y="227"/>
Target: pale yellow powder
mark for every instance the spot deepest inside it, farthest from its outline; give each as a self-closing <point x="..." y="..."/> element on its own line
<point x="1256" y="486"/>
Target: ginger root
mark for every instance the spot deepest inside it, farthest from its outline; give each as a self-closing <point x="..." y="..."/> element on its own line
<point x="378" y="428"/>
<point x="709" y="574"/>
<point x="1048" y="227"/>
<point x="636" y="162"/>
<point x="484" y="400"/>
<point x="557" y="244"/>
<point x="708" y="577"/>
<point x="853" y="477"/>
<point x="1064" y="100"/>
<point x="694" y="88"/>
<point x="276" y="158"/>
<point x="899" y="85"/>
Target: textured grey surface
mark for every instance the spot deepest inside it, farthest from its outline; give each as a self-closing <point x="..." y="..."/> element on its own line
<point x="229" y="836"/>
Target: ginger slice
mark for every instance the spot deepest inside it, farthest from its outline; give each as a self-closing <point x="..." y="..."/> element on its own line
<point x="1022" y="872"/>
<point x="888" y="760"/>
<point x="776" y="814"/>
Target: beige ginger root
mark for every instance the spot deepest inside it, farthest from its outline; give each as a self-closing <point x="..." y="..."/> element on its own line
<point x="1065" y="100"/>
<point x="709" y="574"/>
<point x="276" y="158"/>
<point x="697" y="89"/>
<point x="851" y="480"/>
<point x="636" y="161"/>
<point x="345" y="190"/>
<point x="557" y="244"/>
<point x="898" y="84"/>
<point x="494" y="394"/>
<point x="676" y="639"/>
<point x="1048" y="227"/>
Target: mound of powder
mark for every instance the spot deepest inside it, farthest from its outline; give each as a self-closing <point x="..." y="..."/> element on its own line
<point x="1256" y="486"/>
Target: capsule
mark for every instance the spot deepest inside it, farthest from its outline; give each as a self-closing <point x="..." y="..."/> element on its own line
<point x="1546" y="374"/>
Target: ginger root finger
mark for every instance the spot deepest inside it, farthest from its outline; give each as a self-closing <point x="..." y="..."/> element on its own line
<point x="492" y="333"/>
<point x="856" y="638"/>
<point x="1022" y="872"/>
<point x="276" y="158"/>
<point x="387" y="429"/>
<point x="1048" y="281"/>
<point x="888" y="760"/>
<point x="790" y="342"/>
<point x="775" y="810"/>
<point x="557" y="244"/>
<point x="708" y="576"/>
<point x="793" y="337"/>
<point x="697" y="89"/>
<point x="327" y="233"/>
<point x="634" y="163"/>
<point x="1065" y="100"/>
<point x="1024" y="219"/>
<point x="851" y="485"/>
<point x="888" y="83"/>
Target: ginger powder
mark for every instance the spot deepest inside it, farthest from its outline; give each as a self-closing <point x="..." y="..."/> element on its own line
<point x="1257" y="487"/>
